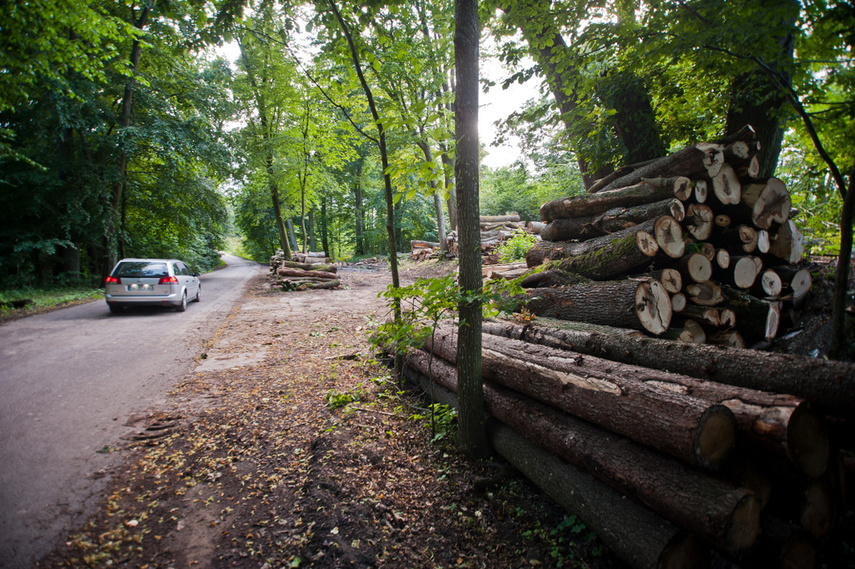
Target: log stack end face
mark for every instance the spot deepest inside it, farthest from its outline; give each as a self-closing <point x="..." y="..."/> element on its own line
<point x="745" y="525"/>
<point x="807" y="441"/>
<point x="716" y="437"/>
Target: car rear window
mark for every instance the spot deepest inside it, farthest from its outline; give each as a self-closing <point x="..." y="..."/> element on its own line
<point x="141" y="269"/>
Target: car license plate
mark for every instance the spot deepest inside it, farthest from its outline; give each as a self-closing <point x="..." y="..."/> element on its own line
<point x="140" y="287"/>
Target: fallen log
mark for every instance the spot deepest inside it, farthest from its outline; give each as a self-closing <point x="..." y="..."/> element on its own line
<point x="783" y="425"/>
<point x="619" y="218"/>
<point x="829" y="384"/>
<point x="641" y="305"/>
<point x="535" y="227"/>
<point x="635" y="534"/>
<point x="641" y="192"/>
<point x="720" y="512"/>
<point x="309" y="266"/>
<point x="298" y="273"/>
<point x="697" y="432"/>
<point x="499" y="218"/>
<point x="600" y="258"/>
<point x="702" y="160"/>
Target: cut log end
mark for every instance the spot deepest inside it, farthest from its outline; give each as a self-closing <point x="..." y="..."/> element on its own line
<point x="807" y="441"/>
<point x="684" y="551"/>
<point x="669" y="236"/>
<point x="646" y="243"/>
<point x="715" y="437"/>
<point x="745" y="525"/>
<point x="653" y="307"/>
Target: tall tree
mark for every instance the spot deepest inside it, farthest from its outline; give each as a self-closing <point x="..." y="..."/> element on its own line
<point x="472" y="432"/>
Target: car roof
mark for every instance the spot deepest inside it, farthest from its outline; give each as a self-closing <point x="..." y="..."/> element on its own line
<point x="134" y="259"/>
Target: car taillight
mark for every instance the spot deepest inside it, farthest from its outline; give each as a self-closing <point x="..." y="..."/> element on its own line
<point x="113" y="280"/>
<point x="168" y="280"/>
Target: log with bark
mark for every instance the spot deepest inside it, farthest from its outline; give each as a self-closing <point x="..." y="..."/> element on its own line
<point x="702" y="160"/>
<point x="718" y="511"/>
<point x="643" y="191"/>
<point x="696" y="432"/>
<point x="635" y="534"/>
<point x="600" y="258"/>
<point x="829" y="384"/>
<point x="299" y="273"/>
<point x="308" y="266"/>
<point x="610" y="221"/>
<point x="641" y="305"/>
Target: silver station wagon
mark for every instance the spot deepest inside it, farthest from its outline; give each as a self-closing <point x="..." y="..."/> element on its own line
<point x="153" y="282"/>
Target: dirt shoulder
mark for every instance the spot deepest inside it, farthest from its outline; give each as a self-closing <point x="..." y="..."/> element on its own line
<point x="251" y="466"/>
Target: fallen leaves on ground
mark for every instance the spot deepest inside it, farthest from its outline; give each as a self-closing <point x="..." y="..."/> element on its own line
<point x="257" y="470"/>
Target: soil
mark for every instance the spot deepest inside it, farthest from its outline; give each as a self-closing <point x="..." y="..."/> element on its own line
<point x="290" y="445"/>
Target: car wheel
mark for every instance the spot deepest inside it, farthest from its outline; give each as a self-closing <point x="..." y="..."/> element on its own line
<point x="116" y="308"/>
<point x="183" y="306"/>
<point x="198" y="293"/>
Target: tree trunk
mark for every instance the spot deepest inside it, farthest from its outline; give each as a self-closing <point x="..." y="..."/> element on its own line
<point x="715" y="510"/>
<point x="827" y="383"/>
<point x="113" y="234"/>
<point x="696" y="432"/>
<point x="357" y="190"/>
<point x="626" y="304"/>
<point x="471" y="434"/>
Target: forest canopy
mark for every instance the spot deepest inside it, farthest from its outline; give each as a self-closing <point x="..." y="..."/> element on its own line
<point x="126" y="131"/>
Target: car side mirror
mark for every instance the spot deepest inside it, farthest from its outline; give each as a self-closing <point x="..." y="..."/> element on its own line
<point x="197" y="274"/>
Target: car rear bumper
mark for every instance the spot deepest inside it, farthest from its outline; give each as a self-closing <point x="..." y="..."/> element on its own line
<point x="149" y="300"/>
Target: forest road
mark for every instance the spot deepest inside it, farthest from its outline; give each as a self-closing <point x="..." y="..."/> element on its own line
<point x="75" y="384"/>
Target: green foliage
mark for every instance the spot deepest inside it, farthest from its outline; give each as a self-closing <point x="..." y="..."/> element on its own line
<point x="515" y="189"/>
<point x="515" y="248"/>
<point x="443" y="421"/>
<point x="427" y="301"/>
<point x="336" y="399"/>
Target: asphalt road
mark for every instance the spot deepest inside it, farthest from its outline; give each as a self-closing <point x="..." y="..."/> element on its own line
<point x="70" y="380"/>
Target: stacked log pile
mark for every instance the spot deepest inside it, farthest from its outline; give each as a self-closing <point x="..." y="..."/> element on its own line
<point x="729" y="454"/>
<point x="692" y="246"/>
<point x="495" y="230"/>
<point x="292" y="275"/>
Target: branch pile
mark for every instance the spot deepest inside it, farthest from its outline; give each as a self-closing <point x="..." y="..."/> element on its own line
<point x="292" y="275"/>
<point x="728" y="447"/>
<point x="691" y="246"/>
<point x="495" y="230"/>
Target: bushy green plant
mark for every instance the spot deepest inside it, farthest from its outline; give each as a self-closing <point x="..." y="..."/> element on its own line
<point x="515" y="248"/>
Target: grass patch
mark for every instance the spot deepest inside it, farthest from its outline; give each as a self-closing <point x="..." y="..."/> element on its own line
<point x="44" y="299"/>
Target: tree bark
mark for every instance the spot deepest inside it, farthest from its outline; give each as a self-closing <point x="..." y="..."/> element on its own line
<point x="471" y="434"/>
<point x="599" y="258"/>
<point x="698" y="433"/>
<point x="699" y="160"/>
<point x="627" y="304"/>
<point x="724" y="514"/>
<point x="830" y="384"/>
<point x="635" y="534"/>
<point x="645" y="191"/>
